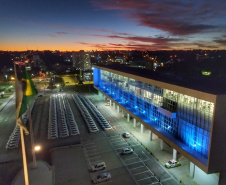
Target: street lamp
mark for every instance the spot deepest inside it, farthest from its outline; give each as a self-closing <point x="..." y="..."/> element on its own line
<point x="37" y="148"/>
<point x="6" y="77"/>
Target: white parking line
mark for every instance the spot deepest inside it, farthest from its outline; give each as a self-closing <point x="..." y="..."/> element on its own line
<point x="155" y="183"/>
<point x="116" y="140"/>
<point x="95" y="162"/>
<point x="94" y="157"/>
<point x="130" y="159"/>
<point x="135" y="145"/>
<point x="145" y="160"/>
<point x="115" y="136"/>
<point x="120" y="148"/>
<point x="93" y="153"/>
<point x="115" y="145"/>
<point x="144" y="153"/>
<point x="90" y="151"/>
<point x="136" y="167"/>
<point x="91" y="143"/>
<point x="141" y="172"/>
<point x="91" y="147"/>
<point x="133" y="163"/>
<point x="165" y="179"/>
<point x="144" y="179"/>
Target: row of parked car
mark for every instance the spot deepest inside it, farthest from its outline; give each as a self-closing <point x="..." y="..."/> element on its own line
<point x="85" y="114"/>
<point x="14" y="139"/>
<point x="72" y="125"/>
<point x="52" y="126"/>
<point x="101" y="177"/>
<point x="106" y="176"/>
<point x="61" y="119"/>
<point x="96" y="114"/>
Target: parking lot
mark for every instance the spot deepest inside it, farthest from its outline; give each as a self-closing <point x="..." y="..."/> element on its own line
<point x="139" y="168"/>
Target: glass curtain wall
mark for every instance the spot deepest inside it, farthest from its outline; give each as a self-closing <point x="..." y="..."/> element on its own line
<point x="192" y="124"/>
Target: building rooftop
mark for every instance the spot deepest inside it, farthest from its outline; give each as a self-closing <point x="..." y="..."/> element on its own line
<point x="208" y="84"/>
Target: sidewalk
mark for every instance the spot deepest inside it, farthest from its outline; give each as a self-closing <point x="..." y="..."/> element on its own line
<point x="43" y="174"/>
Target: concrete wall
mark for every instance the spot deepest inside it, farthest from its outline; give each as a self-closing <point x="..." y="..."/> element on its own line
<point x="222" y="180"/>
<point x="217" y="153"/>
<point x="205" y="179"/>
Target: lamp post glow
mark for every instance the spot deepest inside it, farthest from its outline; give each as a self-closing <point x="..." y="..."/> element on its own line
<point x="37" y="148"/>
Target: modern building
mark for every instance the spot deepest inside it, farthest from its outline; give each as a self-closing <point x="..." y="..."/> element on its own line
<point x="81" y="60"/>
<point x="189" y="115"/>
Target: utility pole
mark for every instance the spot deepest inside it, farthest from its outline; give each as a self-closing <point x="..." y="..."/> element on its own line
<point x="32" y="137"/>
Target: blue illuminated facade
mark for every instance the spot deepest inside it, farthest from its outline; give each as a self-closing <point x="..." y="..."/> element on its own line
<point x="185" y="120"/>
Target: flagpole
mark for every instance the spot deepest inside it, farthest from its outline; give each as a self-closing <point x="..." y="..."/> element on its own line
<point x="26" y="179"/>
<point x="32" y="137"/>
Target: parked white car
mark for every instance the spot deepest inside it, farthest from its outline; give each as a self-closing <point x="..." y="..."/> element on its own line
<point x="98" y="166"/>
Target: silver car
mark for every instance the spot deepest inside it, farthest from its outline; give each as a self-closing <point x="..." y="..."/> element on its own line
<point x="127" y="150"/>
<point x="102" y="177"/>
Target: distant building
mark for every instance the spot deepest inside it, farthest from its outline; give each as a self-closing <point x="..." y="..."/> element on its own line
<point x="37" y="61"/>
<point x="81" y="60"/>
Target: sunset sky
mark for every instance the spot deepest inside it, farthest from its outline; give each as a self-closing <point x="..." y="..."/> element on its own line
<point x="112" y="24"/>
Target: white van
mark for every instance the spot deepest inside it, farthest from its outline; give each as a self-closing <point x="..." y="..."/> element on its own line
<point x="98" y="166"/>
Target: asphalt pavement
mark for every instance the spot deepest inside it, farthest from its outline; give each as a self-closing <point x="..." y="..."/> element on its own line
<point x="46" y="175"/>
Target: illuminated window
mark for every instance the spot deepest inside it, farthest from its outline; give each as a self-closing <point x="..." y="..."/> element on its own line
<point x="193" y="121"/>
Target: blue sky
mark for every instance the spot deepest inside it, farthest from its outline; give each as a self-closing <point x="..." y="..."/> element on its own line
<point x="112" y="25"/>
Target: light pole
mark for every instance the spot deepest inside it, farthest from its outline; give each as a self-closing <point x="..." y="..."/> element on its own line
<point x="6" y="77"/>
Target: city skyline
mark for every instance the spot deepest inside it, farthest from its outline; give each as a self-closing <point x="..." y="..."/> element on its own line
<point x="112" y="25"/>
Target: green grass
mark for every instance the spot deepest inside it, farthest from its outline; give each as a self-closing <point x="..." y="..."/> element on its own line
<point x="7" y="93"/>
<point x="3" y="86"/>
<point x="6" y="86"/>
<point x="5" y="96"/>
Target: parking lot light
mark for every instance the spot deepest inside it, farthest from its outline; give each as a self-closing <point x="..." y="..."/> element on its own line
<point x="37" y="148"/>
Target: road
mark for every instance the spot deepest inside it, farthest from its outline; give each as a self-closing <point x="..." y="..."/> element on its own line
<point x="10" y="160"/>
<point x="7" y="123"/>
